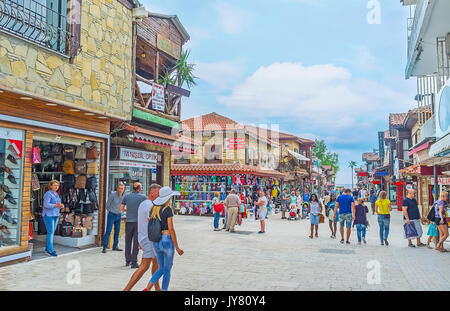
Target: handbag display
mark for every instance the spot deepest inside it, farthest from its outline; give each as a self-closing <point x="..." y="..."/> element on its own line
<point x="69" y="167"/>
<point x="88" y="222"/>
<point x="79" y="232"/>
<point x="80" y="167"/>
<point x="87" y="208"/>
<point x="69" y="153"/>
<point x="92" y="168"/>
<point x="36" y="155"/>
<point x="92" y="153"/>
<point x="81" y="153"/>
<point x="35" y="182"/>
<point x="80" y="182"/>
<point x="91" y="183"/>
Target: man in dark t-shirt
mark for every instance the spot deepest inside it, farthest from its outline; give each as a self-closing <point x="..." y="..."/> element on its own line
<point x="411" y="215"/>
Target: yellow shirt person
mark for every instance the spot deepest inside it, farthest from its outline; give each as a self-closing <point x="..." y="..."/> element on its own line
<point x="383" y="206"/>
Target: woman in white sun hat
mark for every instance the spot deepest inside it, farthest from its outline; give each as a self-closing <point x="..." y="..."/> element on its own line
<point x="165" y="248"/>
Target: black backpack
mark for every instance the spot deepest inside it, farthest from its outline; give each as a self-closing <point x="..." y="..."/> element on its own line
<point x="91" y="183"/>
<point x="154" y="229"/>
<point x="68" y="181"/>
<point x="432" y="213"/>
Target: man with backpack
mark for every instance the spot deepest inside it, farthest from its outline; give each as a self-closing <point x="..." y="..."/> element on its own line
<point x="132" y="202"/>
<point x="148" y="252"/>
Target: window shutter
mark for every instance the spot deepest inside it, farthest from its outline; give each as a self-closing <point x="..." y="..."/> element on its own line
<point x="75" y="28"/>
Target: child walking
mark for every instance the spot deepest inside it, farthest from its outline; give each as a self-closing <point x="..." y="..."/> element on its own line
<point x="361" y="220"/>
<point x="218" y="209"/>
<point x="433" y="233"/>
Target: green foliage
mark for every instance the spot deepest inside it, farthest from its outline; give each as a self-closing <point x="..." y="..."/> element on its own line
<point x="326" y="158"/>
<point x="180" y="74"/>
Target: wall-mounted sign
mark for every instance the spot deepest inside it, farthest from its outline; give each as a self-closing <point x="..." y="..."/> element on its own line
<point x="382" y="174"/>
<point x="168" y="46"/>
<point x="362" y="174"/>
<point x="139" y="155"/>
<point x="234" y="143"/>
<point x="158" y="102"/>
<point x="381" y="144"/>
<point x="442" y="181"/>
<point x="132" y="164"/>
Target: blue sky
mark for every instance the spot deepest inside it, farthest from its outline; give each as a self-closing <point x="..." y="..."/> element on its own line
<point x="315" y="67"/>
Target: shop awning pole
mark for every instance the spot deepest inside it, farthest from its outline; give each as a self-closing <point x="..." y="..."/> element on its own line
<point x="436" y="185"/>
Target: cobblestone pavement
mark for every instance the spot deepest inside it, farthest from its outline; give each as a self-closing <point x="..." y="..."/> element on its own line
<point x="284" y="258"/>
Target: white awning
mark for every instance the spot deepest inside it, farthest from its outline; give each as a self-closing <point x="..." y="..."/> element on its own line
<point x="441" y="148"/>
<point x="298" y="156"/>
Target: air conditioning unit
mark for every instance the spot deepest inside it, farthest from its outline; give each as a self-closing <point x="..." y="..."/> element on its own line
<point x="443" y="111"/>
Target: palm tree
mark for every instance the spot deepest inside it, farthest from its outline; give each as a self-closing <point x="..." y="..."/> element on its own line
<point x="352" y="165"/>
<point x="180" y="74"/>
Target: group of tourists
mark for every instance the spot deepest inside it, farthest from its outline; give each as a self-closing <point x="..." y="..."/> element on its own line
<point x="139" y="211"/>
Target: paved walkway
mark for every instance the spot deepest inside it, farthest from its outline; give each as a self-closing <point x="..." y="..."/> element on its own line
<point x="282" y="259"/>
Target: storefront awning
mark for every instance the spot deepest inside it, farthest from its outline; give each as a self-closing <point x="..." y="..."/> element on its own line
<point x="223" y="169"/>
<point x="441" y="148"/>
<point x="298" y="156"/>
<point x="177" y="143"/>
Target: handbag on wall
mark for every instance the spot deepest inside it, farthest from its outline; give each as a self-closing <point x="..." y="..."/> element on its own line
<point x="80" y="183"/>
<point x="35" y="182"/>
<point x="92" y="168"/>
<point x="80" y="167"/>
<point x="36" y="155"/>
<point x="69" y="167"/>
<point x="81" y="153"/>
<point x="92" y="153"/>
<point x="69" y="153"/>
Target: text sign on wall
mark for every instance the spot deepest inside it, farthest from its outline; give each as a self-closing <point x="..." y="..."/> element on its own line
<point x="381" y="144"/>
<point x="158" y="97"/>
<point x="139" y="155"/>
<point x="132" y="164"/>
<point x="234" y="143"/>
<point x="168" y="46"/>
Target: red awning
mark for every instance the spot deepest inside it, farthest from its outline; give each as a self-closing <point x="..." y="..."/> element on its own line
<point x="417" y="149"/>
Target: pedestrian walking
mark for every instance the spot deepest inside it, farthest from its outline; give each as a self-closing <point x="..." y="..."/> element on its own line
<point x="262" y="204"/>
<point x="132" y="202"/>
<point x="441" y="221"/>
<point x="411" y="215"/>
<point x="331" y="220"/>
<point x="383" y="210"/>
<point x="345" y="208"/>
<point x="114" y="217"/>
<point x="284" y="203"/>
<point x="165" y="248"/>
<point x="218" y="209"/>
<point x="361" y="220"/>
<point x="373" y="199"/>
<point x="433" y="234"/>
<point x="148" y="251"/>
<point x="306" y="196"/>
<point x="315" y="210"/>
<point x="362" y="194"/>
<point x="299" y="202"/>
<point x="50" y="213"/>
<point x="232" y="204"/>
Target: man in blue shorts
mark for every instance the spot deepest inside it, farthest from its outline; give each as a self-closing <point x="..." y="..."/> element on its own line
<point x="345" y="206"/>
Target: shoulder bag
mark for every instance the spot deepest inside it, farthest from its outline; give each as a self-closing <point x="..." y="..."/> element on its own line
<point x="81" y="153"/>
<point x="154" y="229"/>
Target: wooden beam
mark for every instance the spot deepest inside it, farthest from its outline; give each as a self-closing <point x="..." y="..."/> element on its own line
<point x="157" y="67"/>
<point x="142" y="79"/>
<point x="141" y="99"/>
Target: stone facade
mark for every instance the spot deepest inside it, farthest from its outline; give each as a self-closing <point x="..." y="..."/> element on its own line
<point x="99" y="78"/>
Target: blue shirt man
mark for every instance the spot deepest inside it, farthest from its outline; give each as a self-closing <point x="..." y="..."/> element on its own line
<point x="345" y="207"/>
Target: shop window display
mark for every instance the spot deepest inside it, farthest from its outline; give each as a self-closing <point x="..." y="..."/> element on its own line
<point x="11" y="166"/>
<point x="76" y="166"/>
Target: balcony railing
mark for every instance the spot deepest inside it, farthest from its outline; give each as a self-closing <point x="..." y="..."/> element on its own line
<point x="169" y="106"/>
<point x="34" y="21"/>
<point x="428" y="129"/>
<point x="415" y="25"/>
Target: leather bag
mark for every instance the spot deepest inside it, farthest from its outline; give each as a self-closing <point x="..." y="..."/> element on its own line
<point x="92" y="168"/>
<point x="92" y="153"/>
<point x="81" y="167"/>
<point x="81" y="153"/>
<point x="80" y="183"/>
<point x="69" y="167"/>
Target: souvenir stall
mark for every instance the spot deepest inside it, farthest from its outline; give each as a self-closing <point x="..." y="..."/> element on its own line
<point x="75" y="163"/>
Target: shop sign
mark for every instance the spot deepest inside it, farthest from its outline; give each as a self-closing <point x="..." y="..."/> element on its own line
<point x="139" y="155"/>
<point x="234" y="143"/>
<point x="132" y="164"/>
<point x="362" y="174"/>
<point x="168" y="46"/>
<point x="442" y="181"/>
<point x="136" y="173"/>
<point x="158" y="102"/>
<point x="381" y="174"/>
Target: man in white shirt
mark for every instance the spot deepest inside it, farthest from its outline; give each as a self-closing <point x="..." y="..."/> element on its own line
<point x="262" y="210"/>
<point x="148" y="252"/>
<point x="362" y="194"/>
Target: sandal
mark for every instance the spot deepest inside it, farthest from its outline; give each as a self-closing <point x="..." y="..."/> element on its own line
<point x="411" y="245"/>
<point x="310" y="236"/>
<point x="443" y="250"/>
<point x="421" y="244"/>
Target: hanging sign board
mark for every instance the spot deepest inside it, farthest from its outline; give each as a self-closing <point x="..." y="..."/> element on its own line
<point x="158" y="102"/>
<point x="139" y="155"/>
<point x="381" y="174"/>
<point x="168" y="46"/>
<point x="234" y="143"/>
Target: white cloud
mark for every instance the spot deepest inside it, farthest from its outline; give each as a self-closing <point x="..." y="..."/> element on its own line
<point x="231" y="19"/>
<point x="321" y="97"/>
<point x="221" y="75"/>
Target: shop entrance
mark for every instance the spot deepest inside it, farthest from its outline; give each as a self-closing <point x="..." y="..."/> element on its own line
<point x="75" y="163"/>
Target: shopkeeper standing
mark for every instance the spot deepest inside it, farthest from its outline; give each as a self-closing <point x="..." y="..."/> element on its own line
<point x="50" y="213"/>
<point x="132" y="202"/>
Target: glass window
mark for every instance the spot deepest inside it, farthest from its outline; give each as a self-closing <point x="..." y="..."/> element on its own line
<point x="11" y="170"/>
<point x="213" y="153"/>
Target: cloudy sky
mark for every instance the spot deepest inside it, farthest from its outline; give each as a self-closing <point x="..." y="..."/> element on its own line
<point x="315" y="67"/>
